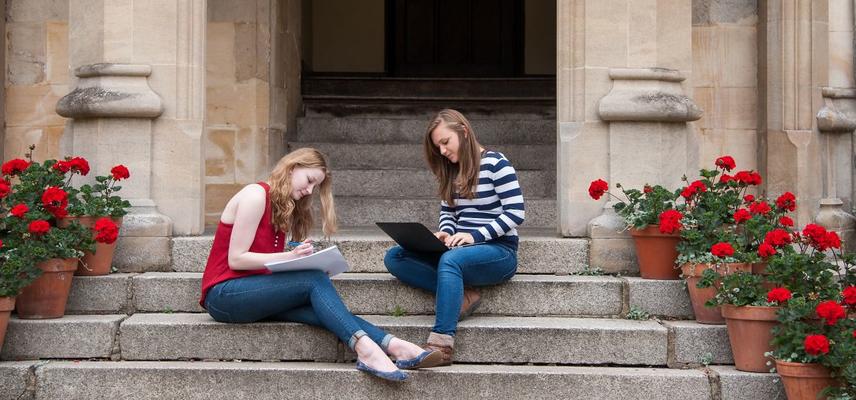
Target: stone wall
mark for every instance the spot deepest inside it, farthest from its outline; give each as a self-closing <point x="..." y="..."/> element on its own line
<point x="37" y="75"/>
<point x="725" y="80"/>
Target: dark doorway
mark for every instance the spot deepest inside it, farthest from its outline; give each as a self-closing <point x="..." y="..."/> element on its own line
<point x="454" y="38"/>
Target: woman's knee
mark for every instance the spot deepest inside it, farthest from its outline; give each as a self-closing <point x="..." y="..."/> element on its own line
<point x="393" y="259"/>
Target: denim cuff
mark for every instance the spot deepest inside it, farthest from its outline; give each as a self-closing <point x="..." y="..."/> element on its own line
<point x="356" y="336"/>
<point x="384" y="344"/>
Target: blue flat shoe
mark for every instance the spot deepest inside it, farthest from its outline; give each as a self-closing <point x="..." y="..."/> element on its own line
<point x="397" y="375"/>
<point x="426" y="358"/>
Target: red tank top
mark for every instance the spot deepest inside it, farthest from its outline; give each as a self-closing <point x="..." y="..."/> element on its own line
<point x="267" y="240"/>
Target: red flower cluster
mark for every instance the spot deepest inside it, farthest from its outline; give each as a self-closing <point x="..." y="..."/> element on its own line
<point x="830" y="311"/>
<point x="726" y="162"/>
<point x="76" y="164"/>
<point x="787" y="202"/>
<point x="760" y="207"/>
<point x="849" y="295"/>
<point x="748" y="198"/>
<point x="5" y="188"/>
<point x="693" y="188"/>
<point x="106" y="231"/>
<point x="778" y="237"/>
<point x="742" y="215"/>
<point x="748" y="178"/>
<point x="55" y="201"/>
<point x="598" y="188"/>
<point x="766" y="250"/>
<point x="820" y="238"/>
<point x="19" y="210"/>
<point x="785" y="220"/>
<point x="15" y="166"/>
<point x="725" y="178"/>
<point x="120" y="172"/>
<point x="39" y="227"/>
<point x="816" y="345"/>
<point x="722" y="249"/>
<point x="670" y="221"/>
<point x="778" y="295"/>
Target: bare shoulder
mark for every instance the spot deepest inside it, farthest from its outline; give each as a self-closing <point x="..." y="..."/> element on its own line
<point x="250" y="197"/>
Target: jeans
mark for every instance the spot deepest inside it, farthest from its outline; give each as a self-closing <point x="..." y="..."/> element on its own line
<point x="299" y="296"/>
<point x="445" y="275"/>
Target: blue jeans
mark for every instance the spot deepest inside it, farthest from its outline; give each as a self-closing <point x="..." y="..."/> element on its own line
<point x="445" y="275"/>
<point x="300" y="296"/>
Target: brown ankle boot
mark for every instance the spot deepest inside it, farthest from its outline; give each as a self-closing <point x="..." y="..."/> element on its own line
<point x="440" y="343"/>
<point x="472" y="300"/>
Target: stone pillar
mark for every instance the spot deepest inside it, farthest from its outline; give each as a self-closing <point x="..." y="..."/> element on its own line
<point x="600" y="44"/>
<point x="793" y="66"/>
<point x="139" y="100"/>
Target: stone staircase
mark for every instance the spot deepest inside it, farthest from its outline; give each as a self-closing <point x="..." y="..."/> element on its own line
<point x="553" y="331"/>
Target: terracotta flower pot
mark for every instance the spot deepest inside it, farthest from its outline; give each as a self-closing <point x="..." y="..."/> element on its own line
<point x="750" y="336"/>
<point x="656" y="253"/>
<point x="804" y="381"/>
<point x="47" y="295"/>
<point x="7" y="304"/>
<point x="761" y="269"/>
<point x="692" y="274"/>
<point x="100" y="262"/>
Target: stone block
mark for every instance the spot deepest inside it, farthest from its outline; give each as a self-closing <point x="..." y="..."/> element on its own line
<point x="232" y="104"/>
<point x="142" y="254"/>
<point x="14" y="379"/>
<point x="739" y="385"/>
<point x="190" y="253"/>
<point x="231" y="11"/>
<point x="422" y="183"/>
<point x="155" y="23"/>
<point x="216" y="196"/>
<point x="667" y="298"/>
<point x="246" y="50"/>
<point x="220" y="53"/>
<point x="46" y="139"/>
<point x="57" y="66"/>
<point x="220" y="156"/>
<point x="739" y="56"/>
<point x="25" y="52"/>
<point x="34" y="105"/>
<point x="739" y="108"/>
<point x="168" y="292"/>
<point x="72" y="336"/>
<point x="691" y="343"/>
<point x="195" y="380"/>
<point x="714" y="12"/>
<point x="100" y="294"/>
<point x="198" y="336"/>
<point x="606" y="33"/>
<point x="705" y="59"/>
<point x="36" y="10"/>
<point x="614" y="256"/>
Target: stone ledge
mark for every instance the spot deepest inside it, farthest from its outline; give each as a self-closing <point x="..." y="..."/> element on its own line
<point x="15" y="379"/>
<point x="100" y="294"/>
<point x="738" y="385"/>
<point x="665" y="298"/>
<point x="73" y="336"/>
<point x="690" y="342"/>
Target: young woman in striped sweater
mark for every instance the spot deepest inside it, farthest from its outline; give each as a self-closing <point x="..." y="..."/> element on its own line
<point x="481" y="204"/>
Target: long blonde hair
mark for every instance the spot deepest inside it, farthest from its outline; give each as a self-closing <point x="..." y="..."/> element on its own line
<point x="295" y="216"/>
<point x="462" y="176"/>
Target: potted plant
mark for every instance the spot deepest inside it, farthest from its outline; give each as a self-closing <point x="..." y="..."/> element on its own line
<point x="99" y="208"/>
<point x="653" y="221"/>
<point x="815" y="341"/>
<point x="40" y="253"/>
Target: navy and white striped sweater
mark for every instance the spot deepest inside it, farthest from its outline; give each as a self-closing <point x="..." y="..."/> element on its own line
<point x="496" y="209"/>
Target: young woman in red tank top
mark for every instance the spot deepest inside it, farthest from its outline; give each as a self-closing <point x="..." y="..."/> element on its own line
<point x="237" y="288"/>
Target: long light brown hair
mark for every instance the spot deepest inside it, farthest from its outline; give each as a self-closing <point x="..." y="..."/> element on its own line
<point x="295" y="216"/>
<point x="463" y="176"/>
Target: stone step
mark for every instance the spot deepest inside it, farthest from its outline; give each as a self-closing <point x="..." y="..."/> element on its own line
<point x="425" y="107"/>
<point x="304" y="380"/>
<point x="365" y="211"/>
<point x="390" y="156"/>
<point x="392" y="130"/>
<point x="380" y="294"/>
<point x="421" y="183"/>
<point x="520" y="88"/>
<point x="539" y="252"/>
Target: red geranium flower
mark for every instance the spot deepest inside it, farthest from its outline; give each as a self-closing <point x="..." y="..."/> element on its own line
<point x="19" y="210"/>
<point x="79" y="164"/>
<point x="15" y="166"/>
<point x="722" y="249"/>
<point x="726" y="162"/>
<point x="830" y="311"/>
<point x="787" y="202"/>
<point x="670" y="221"/>
<point x="786" y="221"/>
<point x="829" y="241"/>
<point x="693" y="188"/>
<point x="766" y="250"/>
<point x="55" y="200"/>
<point x="816" y="344"/>
<point x="814" y="232"/>
<point x="5" y="188"/>
<point x="725" y="178"/>
<point x="106" y="231"/>
<point x="849" y="294"/>
<point x="760" y="207"/>
<point x="121" y="172"/>
<point x="39" y="227"/>
<point x="777" y="237"/>
<point x="62" y="166"/>
<point x="596" y="189"/>
<point x="742" y="215"/>
<point x="778" y="295"/>
<point x="748" y="198"/>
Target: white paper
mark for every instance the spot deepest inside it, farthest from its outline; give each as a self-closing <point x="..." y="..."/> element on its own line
<point x="329" y="260"/>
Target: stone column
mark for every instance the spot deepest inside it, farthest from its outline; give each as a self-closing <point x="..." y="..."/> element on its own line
<point x="793" y="67"/>
<point x="138" y="100"/>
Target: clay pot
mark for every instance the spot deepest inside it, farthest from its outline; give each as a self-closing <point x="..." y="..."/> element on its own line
<point x="749" y="333"/>
<point x="761" y="269"/>
<point x="804" y="381"/>
<point x="656" y="253"/>
<point x="7" y="304"/>
<point x="98" y="263"/>
<point x="47" y="295"/>
<point x="692" y="274"/>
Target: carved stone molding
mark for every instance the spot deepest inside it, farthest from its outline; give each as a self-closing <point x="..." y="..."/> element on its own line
<point x="647" y="95"/>
<point x="832" y="117"/>
<point x="109" y="90"/>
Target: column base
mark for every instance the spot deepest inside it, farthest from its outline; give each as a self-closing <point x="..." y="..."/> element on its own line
<point x="833" y="217"/>
<point x="612" y="248"/>
<point x="145" y="241"/>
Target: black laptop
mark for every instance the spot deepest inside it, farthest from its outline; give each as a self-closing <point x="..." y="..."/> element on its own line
<point x="413" y="236"/>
